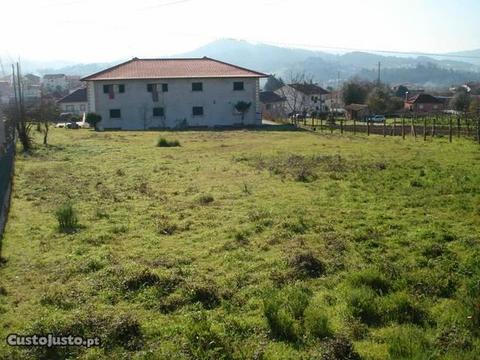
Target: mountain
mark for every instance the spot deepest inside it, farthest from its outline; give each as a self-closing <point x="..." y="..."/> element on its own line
<point x="323" y="67"/>
<point x="470" y="56"/>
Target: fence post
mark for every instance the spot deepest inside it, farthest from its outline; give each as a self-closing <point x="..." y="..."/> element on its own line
<point x="403" y="128"/>
<point x="394" y="126"/>
<point x="368" y="127"/>
<point x="414" y="130"/>
<point x="425" y="128"/>
<point x="341" y="126"/>
<point x="354" y="126"/>
<point x="450" y="129"/>
<point x="478" y="128"/>
<point x="458" y="126"/>
<point x="385" y="127"/>
<point x="434" y="125"/>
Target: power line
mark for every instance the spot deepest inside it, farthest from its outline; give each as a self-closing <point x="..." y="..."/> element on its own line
<point x="316" y="46"/>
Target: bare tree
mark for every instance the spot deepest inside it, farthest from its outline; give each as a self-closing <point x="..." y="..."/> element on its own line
<point x="17" y="113"/>
<point x="295" y="100"/>
<point x="44" y="113"/>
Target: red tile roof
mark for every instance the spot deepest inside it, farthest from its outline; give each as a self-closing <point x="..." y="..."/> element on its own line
<point x="173" y="68"/>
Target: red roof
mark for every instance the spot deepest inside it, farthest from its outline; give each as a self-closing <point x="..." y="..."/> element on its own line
<point x="173" y="68"/>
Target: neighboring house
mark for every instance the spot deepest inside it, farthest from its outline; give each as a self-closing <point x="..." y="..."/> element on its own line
<point x="334" y="101"/>
<point x="6" y="92"/>
<point x="167" y="93"/>
<point x="32" y="79"/>
<point x="424" y="103"/>
<point x="55" y="82"/>
<point x="74" y="82"/>
<point x="273" y="105"/>
<point x="304" y="97"/>
<point x="357" y="111"/>
<point x="75" y="102"/>
<point x="31" y="92"/>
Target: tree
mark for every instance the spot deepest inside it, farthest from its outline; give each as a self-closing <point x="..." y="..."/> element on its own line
<point x="273" y="83"/>
<point x="356" y="91"/>
<point x="93" y="119"/>
<point x="44" y="113"/>
<point x="460" y="101"/>
<point x="242" y="107"/>
<point x="401" y="91"/>
<point x="381" y="101"/>
<point x="474" y="106"/>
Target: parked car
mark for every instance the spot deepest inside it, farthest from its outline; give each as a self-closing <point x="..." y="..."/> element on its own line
<point x="377" y="118"/>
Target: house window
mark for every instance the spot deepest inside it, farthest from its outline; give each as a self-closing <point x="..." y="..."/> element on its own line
<point x="115" y="114"/>
<point x="268" y="106"/>
<point x="420" y="106"/>
<point x="165" y="87"/>
<point x="158" y="112"/>
<point x="150" y="87"/>
<point x="106" y="89"/>
<point x="82" y="107"/>
<point x="197" y="111"/>
<point x="69" y="108"/>
<point x="238" y="86"/>
<point x="197" y="86"/>
<point x="121" y="88"/>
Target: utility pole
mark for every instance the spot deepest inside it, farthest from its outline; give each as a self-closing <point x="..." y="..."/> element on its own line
<point x="379" y="68"/>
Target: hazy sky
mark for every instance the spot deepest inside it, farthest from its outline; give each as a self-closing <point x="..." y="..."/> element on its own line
<point x="105" y="30"/>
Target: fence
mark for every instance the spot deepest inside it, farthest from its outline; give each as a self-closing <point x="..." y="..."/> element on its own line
<point x="7" y="158"/>
<point x="417" y="125"/>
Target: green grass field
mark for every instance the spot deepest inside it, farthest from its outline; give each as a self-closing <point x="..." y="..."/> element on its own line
<point x="245" y="245"/>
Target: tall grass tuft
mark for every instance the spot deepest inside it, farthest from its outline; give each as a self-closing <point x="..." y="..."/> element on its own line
<point x="162" y="142"/>
<point x="67" y="218"/>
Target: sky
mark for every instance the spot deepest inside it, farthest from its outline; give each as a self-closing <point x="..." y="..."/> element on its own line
<point x="109" y="30"/>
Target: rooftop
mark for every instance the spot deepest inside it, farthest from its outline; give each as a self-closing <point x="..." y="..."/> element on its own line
<point x="309" y="89"/>
<point x="423" y="99"/>
<point x="173" y="68"/>
<point x="268" y="97"/>
<point x="79" y="95"/>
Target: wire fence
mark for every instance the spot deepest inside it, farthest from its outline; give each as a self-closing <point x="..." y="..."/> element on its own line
<point x="424" y="126"/>
<point x="7" y="159"/>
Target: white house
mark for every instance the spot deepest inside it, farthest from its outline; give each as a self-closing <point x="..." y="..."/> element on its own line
<point x="55" y="82"/>
<point x="304" y="97"/>
<point x="166" y="93"/>
<point x="75" y="102"/>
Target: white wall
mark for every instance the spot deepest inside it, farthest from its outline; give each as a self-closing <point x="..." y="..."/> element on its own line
<point x="74" y="107"/>
<point x="136" y="104"/>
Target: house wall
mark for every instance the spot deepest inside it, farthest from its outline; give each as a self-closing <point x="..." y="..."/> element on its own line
<point x="77" y="108"/>
<point x="296" y="101"/>
<point x="136" y="103"/>
<point x="427" y="107"/>
<point x="54" y="83"/>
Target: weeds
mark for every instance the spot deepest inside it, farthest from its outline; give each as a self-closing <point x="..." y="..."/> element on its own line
<point x="162" y="142"/>
<point x="67" y="219"/>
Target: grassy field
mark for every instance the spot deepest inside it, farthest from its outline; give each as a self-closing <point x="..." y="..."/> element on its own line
<point x="245" y="245"/>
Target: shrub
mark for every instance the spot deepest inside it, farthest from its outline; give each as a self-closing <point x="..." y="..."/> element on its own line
<point x="207" y="295"/>
<point x="145" y="278"/>
<point x="307" y="265"/>
<point x="204" y="340"/>
<point x="67" y="218"/>
<point x="371" y="278"/>
<point x="362" y="304"/>
<point x="408" y="342"/>
<point x="400" y="307"/>
<point x="205" y="199"/>
<point x="165" y="226"/>
<point x="340" y="348"/>
<point x="284" y="311"/>
<point x="317" y="322"/>
<point x="162" y="142"/>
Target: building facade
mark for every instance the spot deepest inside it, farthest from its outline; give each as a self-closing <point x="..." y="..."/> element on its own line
<point x="74" y="103"/>
<point x="55" y="82"/>
<point x="304" y="98"/>
<point x="144" y="94"/>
